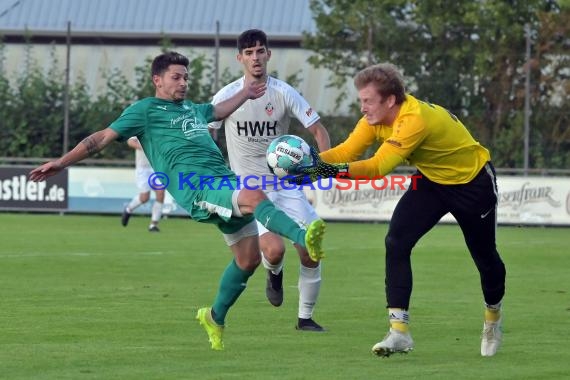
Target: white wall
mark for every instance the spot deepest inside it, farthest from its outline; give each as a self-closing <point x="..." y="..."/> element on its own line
<point x="91" y="61"/>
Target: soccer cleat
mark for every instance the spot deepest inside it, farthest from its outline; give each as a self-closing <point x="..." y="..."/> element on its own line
<point x="491" y="337"/>
<point x="314" y="239"/>
<point x="274" y="288"/>
<point x="213" y="330"/>
<point x="125" y="217"/>
<point x="394" y="342"/>
<point x="153" y="228"/>
<point x="307" y="324"/>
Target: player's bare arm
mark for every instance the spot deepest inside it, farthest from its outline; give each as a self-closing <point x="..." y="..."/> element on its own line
<point x="89" y="146"/>
<point x="321" y="136"/>
<point x="252" y="90"/>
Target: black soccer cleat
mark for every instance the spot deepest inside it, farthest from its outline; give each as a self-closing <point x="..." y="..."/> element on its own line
<point x="153" y="228"/>
<point x="125" y="217"/>
<point x="274" y="288"/>
<point x="309" y="325"/>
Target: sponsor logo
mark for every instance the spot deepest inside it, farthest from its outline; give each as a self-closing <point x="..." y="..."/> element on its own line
<point x="309" y="112"/>
<point x="258" y="140"/>
<point x="189" y="125"/>
<point x="18" y="192"/>
<point x="528" y="194"/>
<point x="382" y="189"/>
<point x="483" y="216"/>
<point x="257" y="128"/>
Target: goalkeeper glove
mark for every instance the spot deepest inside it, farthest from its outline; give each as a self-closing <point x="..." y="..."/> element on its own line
<point x="319" y="169"/>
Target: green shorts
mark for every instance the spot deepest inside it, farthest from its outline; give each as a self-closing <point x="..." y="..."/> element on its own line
<point x="214" y="205"/>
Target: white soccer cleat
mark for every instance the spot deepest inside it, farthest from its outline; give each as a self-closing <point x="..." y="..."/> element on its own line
<point x="491" y="337"/>
<point x="394" y="342"/>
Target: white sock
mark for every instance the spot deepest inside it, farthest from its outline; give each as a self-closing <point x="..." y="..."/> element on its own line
<point x="398" y="315"/>
<point x="156" y="212"/>
<point x="309" y="289"/>
<point x="135" y="202"/>
<point x="274" y="268"/>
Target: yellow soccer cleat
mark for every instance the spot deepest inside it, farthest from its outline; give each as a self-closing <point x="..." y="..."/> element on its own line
<point x="213" y="330"/>
<point x="314" y="239"/>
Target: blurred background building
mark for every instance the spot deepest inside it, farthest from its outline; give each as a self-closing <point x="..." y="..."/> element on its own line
<point x="108" y="34"/>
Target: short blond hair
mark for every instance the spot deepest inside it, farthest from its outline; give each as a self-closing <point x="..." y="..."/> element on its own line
<point x="386" y="78"/>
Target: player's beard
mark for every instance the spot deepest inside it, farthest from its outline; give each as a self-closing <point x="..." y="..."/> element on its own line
<point x="179" y="95"/>
<point x="258" y="76"/>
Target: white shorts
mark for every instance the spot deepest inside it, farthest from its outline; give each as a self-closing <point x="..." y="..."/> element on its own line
<point x="142" y="176"/>
<point x="249" y="229"/>
<point x="294" y="204"/>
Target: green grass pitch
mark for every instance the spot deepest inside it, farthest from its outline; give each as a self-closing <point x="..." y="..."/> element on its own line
<point x="81" y="297"/>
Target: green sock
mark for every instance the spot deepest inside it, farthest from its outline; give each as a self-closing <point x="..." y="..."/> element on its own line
<point x="232" y="284"/>
<point x="277" y="221"/>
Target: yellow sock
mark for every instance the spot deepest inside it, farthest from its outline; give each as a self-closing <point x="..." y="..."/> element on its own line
<point x="400" y="326"/>
<point x="492" y="315"/>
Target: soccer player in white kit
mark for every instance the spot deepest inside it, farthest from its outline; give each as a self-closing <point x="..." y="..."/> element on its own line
<point x="143" y="171"/>
<point x="249" y="131"/>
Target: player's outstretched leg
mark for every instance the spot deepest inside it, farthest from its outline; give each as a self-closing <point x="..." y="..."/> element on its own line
<point x="314" y="239"/>
<point x="277" y="221"/>
<point x="214" y="331"/>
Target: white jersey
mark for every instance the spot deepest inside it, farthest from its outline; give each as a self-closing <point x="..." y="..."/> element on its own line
<point x="143" y="170"/>
<point x="253" y="126"/>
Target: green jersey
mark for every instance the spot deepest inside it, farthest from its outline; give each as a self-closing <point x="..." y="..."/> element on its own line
<point x="175" y="138"/>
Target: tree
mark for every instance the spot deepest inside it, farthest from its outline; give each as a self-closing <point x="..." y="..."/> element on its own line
<point x="550" y="121"/>
<point x="31" y="116"/>
<point x="34" y="111"/>
<point x="466" y="56"/>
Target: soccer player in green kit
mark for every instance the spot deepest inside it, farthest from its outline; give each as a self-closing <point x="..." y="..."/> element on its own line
<point x="174" y="135"/>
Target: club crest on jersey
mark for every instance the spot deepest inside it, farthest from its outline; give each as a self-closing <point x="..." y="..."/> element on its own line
<point x="269" y="109"/>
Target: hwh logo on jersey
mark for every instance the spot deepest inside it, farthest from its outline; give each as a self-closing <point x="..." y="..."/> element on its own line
<point x="257" y="129"/>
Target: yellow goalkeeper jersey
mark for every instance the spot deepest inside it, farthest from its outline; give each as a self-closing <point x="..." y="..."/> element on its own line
<point x="424" y="135"/>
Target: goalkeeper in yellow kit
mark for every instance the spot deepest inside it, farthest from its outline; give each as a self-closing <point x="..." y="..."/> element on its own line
<point x="456" y="177"/>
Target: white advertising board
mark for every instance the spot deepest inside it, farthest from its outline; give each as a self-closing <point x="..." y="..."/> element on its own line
<point x="522" y="200"/>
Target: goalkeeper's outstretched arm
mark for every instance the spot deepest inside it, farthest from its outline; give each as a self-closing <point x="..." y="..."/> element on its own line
<point x="319" y="169"/>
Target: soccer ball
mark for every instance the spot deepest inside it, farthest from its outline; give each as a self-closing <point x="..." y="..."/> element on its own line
<point x="286" y="153"/>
